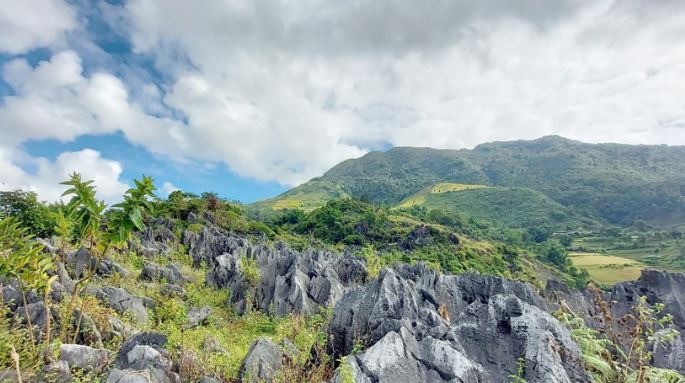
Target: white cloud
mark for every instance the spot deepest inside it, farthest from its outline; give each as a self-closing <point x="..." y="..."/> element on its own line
<point x="46" y="178"/>
<point x="168" y="188"/>
<point x="29" y="24"/>
<point x="284" y="90"/>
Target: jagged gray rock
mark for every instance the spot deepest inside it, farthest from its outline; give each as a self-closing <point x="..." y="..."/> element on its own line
<point x="80" y="262"/>
<point x="658" y="287"/>
<point x="171" y="273"/>
<point x="38" y="316"/>
<point x="492" y="323"/>
<point x="84" y="357"/>
<point x="263" y="361"/>
<point x="88" y="334"/>
<point x="143" y="359"/>
<point x="122" y="301"/>
<point x="289" y="281"/>
<point x="209" y="243"/>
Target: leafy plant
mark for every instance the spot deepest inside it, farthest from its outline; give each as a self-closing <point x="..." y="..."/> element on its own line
<point x="519" y="377"/>
<point x="609" y="360"/>
<point x="23" y="259"/>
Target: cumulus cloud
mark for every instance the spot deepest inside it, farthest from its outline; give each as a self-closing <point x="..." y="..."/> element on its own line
<point x="48" y="174"/>
<point x="30" y="24"/>
<point x="281" y="90"/>
<point x="168" y="188"/>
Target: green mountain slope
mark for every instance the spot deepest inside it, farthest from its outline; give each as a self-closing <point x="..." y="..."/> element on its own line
<point x="503" y="206"/>
<point x="307" y="197"/>
<point x="617" y="183"/>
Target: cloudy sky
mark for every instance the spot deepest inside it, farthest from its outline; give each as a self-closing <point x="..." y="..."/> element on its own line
<point x="250" y="97"/>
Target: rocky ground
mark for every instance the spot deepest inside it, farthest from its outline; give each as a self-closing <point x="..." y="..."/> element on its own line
<point x="407" y="324"/>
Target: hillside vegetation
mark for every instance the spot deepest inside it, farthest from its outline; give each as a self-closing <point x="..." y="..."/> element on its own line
<point x="615" y="183"/>
<point x="191" y="288"/>
<point x="504" y="206"/>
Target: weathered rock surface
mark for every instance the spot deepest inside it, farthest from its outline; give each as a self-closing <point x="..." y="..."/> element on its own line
<point x="84" y="357"/>
<point x="423" y="327"/>
<point x="263" y="360"/>
<point x="143" y="359"/>
<point x="658" y="287"/>
<point x="55" y="372"/>
<point x="211" y="242"/>
<point x="289" y="281"/>
<point x="171" y="273"/>
<point x="38" y="317"/>
<point x="198" y="315"/>
<point x="88" y="334"/>
<point x="82" y="262"/>
<point x="122" y="301"/>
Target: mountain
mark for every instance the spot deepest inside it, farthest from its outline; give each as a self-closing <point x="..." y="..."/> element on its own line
<point x="613" y="182"/>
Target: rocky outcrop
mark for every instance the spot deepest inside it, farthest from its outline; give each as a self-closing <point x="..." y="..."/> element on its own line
<point x="211" y="242"/>
<point x="419" y="326"/>
<point x="658" y="287"/>
<point x="82" y="262"/>
<point x="158" y="238"/>
<point x="277" y="280"/>
<point x="288" y="282"/>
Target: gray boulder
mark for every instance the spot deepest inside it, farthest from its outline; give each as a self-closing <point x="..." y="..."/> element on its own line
<point x="55" y="372"/>
<point x="122" y="301"/>
<point x="173" y="291"/>
<point x="658" y="287"/>
<point x="142" y="358"/>
<point x="263" y="361"/>
<point x="88" y="334"/>
<point x="198" y="316"/>
<point x="84" y="357"/>
<point x="81" y="262"/>
<point x="209" y="243"/>
<point x="38" y="317"/>
<point x="171" y="273"/>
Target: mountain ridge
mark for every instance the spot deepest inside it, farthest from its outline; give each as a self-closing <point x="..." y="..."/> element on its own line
<point x="619" y="183"/>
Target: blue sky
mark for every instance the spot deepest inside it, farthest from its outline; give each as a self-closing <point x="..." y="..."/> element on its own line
<point x="248" y="98"/>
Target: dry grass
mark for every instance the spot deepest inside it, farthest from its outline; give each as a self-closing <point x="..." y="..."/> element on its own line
<point x="452" y="187"/>
<point x="607" y="269"/>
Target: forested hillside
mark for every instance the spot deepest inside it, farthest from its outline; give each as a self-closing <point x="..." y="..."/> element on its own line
<point x="611" y="182"/>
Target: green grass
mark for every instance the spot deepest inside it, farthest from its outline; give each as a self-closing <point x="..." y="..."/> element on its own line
<point x="307" y="197"/>
<point x="607" y="269"/>
<point x="443" y="187"/>
<point x="503" y="206"/>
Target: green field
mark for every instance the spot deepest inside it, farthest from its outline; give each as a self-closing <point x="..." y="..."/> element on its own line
<point x="607" y="269"/>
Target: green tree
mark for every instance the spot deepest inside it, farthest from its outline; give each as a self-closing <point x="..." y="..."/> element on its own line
<point x="32" y="214"/>
<point x="556" y="255"/>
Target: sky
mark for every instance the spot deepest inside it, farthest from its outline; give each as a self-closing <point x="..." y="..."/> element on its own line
<point x="247" y="98"/>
